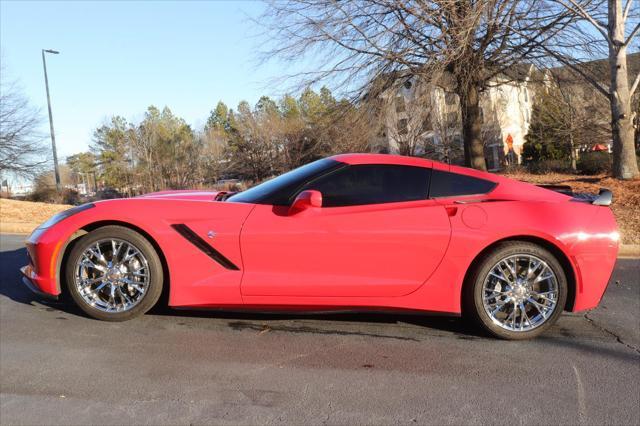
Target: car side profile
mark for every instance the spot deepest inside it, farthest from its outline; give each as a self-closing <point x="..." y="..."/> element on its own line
<point x="352" y="231"/>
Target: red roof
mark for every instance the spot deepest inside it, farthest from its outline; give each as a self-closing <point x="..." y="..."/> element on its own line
<point x="382" y="159"/>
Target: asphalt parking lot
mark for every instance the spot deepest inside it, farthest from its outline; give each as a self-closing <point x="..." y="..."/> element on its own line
<point x="57" y="366"/>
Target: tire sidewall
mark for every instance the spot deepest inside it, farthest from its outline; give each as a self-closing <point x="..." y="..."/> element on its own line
<point x="505" y="250"/>
<point x="141" y="243"/>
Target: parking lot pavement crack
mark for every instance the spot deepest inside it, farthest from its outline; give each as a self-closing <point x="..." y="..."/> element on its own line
<point x="611" y="333"/>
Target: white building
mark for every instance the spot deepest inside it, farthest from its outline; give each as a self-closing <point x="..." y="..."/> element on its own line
<point x="423" y="118"/>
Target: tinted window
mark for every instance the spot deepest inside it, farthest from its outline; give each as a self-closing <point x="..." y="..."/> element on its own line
<point x="446" y="184"/>
<point x="372" y="184"/>
<point x="278" y="191"/>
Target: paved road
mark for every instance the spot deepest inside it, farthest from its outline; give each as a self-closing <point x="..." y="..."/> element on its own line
<point x="57" y="366"/>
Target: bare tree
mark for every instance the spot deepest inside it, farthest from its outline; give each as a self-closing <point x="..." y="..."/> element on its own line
<point x="21" y="150"/>
<point x="616" y="24"/>
<point x="406" y="112"/>
<point x="446" y="144"/>
<point x="354" y="43"/>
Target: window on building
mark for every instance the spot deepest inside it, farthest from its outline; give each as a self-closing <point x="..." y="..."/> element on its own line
<point x="450" y="98"/>
<point x="373" y="184"/>
<point x="403" y="126"/>
<point x="426" y="124"/>
<point x="447" y="184"/>
<point x="400" y="104"/>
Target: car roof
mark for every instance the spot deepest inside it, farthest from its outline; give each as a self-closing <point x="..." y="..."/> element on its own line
<point x="382" y="159"/>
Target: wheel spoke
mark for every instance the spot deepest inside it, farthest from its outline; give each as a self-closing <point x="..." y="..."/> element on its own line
<point x="538" y="307"/>
<point x="500" y="277"/>
<point x="100" y="287"/>
<point x="523" y="316"/>
<point x="509" y="280"/>
<point x="545" y="295"/>
<point x="91" y="281"/>
<point x="499" y="308"/>
<point x="123" y="296"/>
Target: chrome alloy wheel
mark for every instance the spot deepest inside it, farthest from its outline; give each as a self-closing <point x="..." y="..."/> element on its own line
<point x="112" y="275"/>
<point x="520" y="292"/>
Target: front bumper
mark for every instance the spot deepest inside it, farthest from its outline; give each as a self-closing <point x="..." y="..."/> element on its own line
<point x="28" y="279"/>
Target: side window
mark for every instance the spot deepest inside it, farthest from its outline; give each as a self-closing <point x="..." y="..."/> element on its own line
<point x="372" y="184"/>
<point x="447" y="184"/>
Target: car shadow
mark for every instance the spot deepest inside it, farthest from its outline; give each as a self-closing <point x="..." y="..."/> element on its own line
<point x="10" y="276"/>
<point x="11" y="285"/>
<point x="281" y="321"/>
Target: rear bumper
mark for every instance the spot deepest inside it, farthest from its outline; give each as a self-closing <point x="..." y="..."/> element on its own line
<point x="594" y="255"/>
<point x="594" y="273"/>
<point x="29" y="279"/>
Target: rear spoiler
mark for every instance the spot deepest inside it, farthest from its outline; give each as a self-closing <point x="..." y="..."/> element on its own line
<point x="603" y="198"/>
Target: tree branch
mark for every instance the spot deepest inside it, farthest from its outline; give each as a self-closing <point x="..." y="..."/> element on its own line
<point x="635" y="85"/>
<point x="632" y="35"/>
<point x="579" y="10"/>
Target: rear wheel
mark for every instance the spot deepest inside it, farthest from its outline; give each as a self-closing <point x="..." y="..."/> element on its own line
<point x="516" y="291"/>
<point x="114" y="274"/>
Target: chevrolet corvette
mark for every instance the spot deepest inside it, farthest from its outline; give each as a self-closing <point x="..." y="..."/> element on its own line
<point x="355" y="232"/>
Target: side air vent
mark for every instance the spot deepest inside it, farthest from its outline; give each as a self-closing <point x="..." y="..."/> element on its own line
<point x="194" y="239"/>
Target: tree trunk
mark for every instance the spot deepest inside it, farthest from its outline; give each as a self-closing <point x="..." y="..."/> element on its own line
<point x="625" y="165"/>
<point x="471" y="126"/>
<point x="574" y="166"/>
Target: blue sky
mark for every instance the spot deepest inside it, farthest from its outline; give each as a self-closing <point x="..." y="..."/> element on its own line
<point x="120" y="57"/>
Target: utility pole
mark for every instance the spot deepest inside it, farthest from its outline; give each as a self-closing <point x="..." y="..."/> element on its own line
<point x="53" y="136"/>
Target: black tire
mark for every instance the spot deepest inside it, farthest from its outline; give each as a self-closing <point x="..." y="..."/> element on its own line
<point x="153" y="291"/>
<point x="474" y="307"/>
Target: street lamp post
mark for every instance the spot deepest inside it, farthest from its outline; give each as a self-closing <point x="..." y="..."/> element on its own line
<point x="53" y="136"/>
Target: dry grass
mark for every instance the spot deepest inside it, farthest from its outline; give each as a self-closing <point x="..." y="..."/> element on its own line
<point x="22" y="217"/>
<point x="626" y="197"/>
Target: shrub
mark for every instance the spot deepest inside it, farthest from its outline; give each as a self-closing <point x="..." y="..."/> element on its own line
<point x="70" y="196"/>
<point x="549" y="166"/>
<point x="48" y="194"/>
<point x="44" y="194"/>
<point x="592" y="163"/>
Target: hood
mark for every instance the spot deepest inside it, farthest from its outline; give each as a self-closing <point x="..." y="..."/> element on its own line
<point x="195" y="194"/>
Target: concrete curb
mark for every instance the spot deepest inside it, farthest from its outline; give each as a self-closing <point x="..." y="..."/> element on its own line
<point x="629" y="250"/>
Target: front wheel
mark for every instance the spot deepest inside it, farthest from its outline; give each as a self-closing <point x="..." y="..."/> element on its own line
<point x="114" y="274"/>
<point x="516" y="291"/>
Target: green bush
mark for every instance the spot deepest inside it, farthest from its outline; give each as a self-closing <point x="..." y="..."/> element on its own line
<point x="593" y="163"/>
<point x="534" y="152"/>
<point x="549" y="166"/>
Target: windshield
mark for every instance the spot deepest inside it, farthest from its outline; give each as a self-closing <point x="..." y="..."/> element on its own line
<point x="279" y="190"/>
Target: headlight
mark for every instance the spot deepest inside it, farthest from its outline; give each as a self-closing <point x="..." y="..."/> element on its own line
<point x="65" y="214"/>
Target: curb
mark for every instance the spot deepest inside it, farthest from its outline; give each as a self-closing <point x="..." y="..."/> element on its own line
<point x="629" y="250"/>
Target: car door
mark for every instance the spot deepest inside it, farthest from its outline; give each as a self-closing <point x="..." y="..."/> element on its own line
<point x="376" y="234"/>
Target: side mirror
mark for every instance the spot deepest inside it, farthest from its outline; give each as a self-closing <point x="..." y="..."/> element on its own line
<point x="306" y="200"/>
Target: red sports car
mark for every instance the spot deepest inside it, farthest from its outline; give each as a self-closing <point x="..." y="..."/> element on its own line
<point x="353" y="231"/>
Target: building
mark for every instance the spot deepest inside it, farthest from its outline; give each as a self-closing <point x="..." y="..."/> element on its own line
<point x="422" y="118"/>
